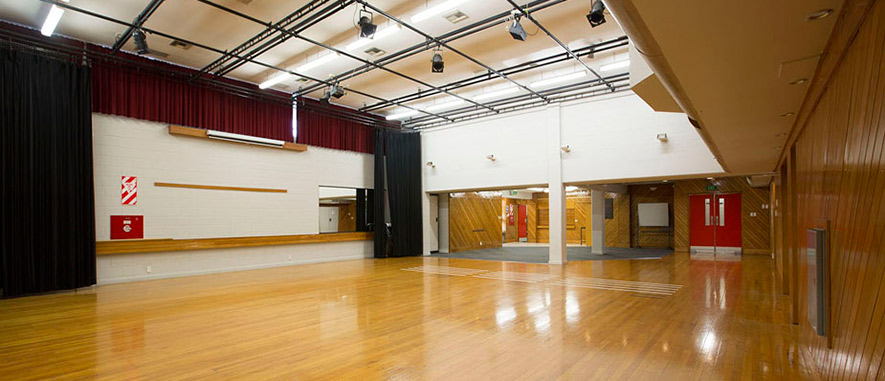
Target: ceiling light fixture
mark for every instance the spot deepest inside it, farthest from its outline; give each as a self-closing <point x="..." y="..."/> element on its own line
<point x="559" y="79"/>
<point x="402" y="115"/>
<point x="52" y="20"/>
<point x="516" y="30"/>
<point x="435" y="10"/>
<point x="367" y="28"/>
<point x="615" y="65"/>
<point x="820" y="14"/>
<point x="495" y="94"/>
<point x="275" y="80"/>
<point x="140" y="40"/>
<point x="596" y="17"/>
<point x="378" y="36"/>
<point x="799" y="81"/>
<point x="446" y="105"/>
<point x="662" y="138"/>
<point x="317" y="62"/>
<point x="436" y="63"/>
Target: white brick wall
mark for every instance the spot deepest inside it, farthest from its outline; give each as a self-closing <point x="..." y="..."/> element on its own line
<point x="132" y="147"/>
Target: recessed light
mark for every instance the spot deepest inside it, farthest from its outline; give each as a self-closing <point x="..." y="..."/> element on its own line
<point x="799" y="81"/>
<point x="820" y="14"/>
<point x="782" y="134"/>
<point x="787" y="114"/>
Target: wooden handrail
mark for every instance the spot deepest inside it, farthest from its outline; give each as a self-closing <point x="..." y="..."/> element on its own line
<point x="161" y="245"/>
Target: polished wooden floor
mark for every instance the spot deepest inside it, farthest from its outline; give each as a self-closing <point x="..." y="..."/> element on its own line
<point x="369" y="319"/>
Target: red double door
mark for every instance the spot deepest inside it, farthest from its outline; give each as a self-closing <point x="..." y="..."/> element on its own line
<point x="715" y="221"/>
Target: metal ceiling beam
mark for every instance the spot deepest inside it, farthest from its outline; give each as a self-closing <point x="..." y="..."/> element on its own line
<point x="209" y="48"/>
<point x="464" y="31"/>
<point x="447" y="46"/>
<point x="138" y="22"/>
<point x="457" y="114"/>
<point x="519" y="68"/>
<point x="564" y="46"/>
<point x="344" y="53"/>
<point x="272" y="30"/>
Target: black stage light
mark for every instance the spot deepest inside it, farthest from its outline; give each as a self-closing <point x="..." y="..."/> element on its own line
<point x="436" y="63"/>
<point x="516" y="30"/>
<point x="141" y="46"/>
<point x="367" y="29"/>
<point x="596" y="17"/>
<point x="337" y="91"/>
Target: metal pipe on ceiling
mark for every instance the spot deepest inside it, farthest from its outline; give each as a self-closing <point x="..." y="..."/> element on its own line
<point x="456" y="114"/>
<point x="138" y="22"/>
<point x="206" y="47"/>
<point x="519" y="68"/>
<point x="449" y="47"/>
<point x="341" y="52"/>
<point x="456" y="34"/>
<point x="564" y="46"/>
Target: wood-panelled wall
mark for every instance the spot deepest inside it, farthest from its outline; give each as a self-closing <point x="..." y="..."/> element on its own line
<point x="474" y="222"/>
<point x="531" y="217"/>
<point x="347" y="217"/>
<point x="617" y="229"/>
<point x="650" y="237"/>
<point x="755" y="231"/>
<point x="835" y="176"/>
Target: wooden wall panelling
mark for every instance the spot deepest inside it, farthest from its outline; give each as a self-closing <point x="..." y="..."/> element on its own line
<point x="650" y="237"/>
<point x="577" y="216"/>
<point x="511" y="232"/>
<point x="164" y="245"/>
<point x="347" y="217"/>
<point x="836" y="177"/>
<point x="617" y="229"/>
<point x="474" y="222"/>
<point x="755" y="231"/>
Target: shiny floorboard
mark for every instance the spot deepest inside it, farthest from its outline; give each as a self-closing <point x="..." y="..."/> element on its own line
<point x="671" y="318"/>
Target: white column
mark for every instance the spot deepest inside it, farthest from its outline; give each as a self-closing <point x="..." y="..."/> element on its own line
<point x="557" y="253"/>
<point x="597" y="221"/>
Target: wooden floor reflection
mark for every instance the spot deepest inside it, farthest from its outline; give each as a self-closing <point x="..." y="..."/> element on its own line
<point x="370" y="319"/>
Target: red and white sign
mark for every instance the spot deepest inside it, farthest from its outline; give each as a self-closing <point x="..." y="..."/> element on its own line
<point x="127" y="227"/>
<point x="129" y="190"/>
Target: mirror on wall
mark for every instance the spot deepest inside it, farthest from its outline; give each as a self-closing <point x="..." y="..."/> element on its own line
<point x="344" y="209"/>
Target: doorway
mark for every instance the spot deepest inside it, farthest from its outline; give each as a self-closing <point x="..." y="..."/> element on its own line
<point x="715" y="223"/>
<point x="522" y="224"/>
<point x="434" y="223"/>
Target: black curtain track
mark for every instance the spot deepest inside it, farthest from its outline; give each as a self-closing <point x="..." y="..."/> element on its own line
<point x="404" y="191"/>
<point x="47" y="219"/>
<point x="378" y="197"/>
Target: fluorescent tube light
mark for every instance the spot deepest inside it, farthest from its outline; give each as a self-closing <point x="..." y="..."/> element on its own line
<point x="615" y="65"/>
<point x="435" y="10"/>
<point x="443" y="106"/>
<point x="495" y="94"/>
<point x="52" y="20"/>
<point x="275" y="80"/>
<point x="402" y="115"/>
<point x="559" y="79"/>
<point x="317" y="62"/>
<point x="244" y="139"/>
<point x="378" y="35"/>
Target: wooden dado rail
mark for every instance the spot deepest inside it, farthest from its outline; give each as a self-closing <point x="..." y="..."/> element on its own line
<point x="160" y="245"/>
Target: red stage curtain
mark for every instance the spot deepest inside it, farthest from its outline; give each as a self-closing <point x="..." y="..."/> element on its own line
<point x="126" y="91"/>
<point x="330" y="126"/>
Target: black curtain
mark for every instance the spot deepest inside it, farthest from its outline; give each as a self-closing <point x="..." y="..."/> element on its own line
<point x="404" y="192"/>
<point x="47" y="221"/>
<point x="378" y="197"/>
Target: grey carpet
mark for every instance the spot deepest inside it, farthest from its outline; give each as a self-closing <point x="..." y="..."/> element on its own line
<point x="539" y="254"/>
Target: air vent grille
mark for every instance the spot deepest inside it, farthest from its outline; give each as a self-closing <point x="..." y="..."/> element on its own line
<point x="180" y="44"/>
<point x="374" y="52"/>
<point x="455" y="16"/>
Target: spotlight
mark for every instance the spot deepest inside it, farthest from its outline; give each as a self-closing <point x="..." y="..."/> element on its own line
<point x="436" y="63"/>
<point x="333" y="91"/>
<point x="662" y="138"/>
<point x="141" y="46"/>
<point x="596" y="16"/>
<point x="367" y="29"/>
<point x="516" y="30"/>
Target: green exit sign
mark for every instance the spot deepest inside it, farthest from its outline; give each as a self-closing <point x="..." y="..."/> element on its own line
<point x="712" y="187"/>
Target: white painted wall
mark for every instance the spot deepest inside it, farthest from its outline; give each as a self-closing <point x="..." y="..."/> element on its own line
<point x="132" y="147"/>
<point x="610" y="139"/>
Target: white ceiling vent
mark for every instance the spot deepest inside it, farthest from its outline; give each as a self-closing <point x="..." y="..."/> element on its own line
<point x="374" y="52"/>
<point x="455" y="16"/>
